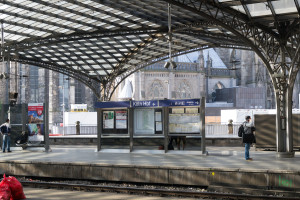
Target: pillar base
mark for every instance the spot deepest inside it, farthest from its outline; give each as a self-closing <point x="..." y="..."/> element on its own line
<point x="285" y="154"/>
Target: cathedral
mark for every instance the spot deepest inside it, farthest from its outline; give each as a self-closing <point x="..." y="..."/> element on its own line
<point x="226" y="77"/>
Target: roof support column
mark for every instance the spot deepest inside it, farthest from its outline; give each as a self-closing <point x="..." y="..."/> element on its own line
<point x="283" y="77"/>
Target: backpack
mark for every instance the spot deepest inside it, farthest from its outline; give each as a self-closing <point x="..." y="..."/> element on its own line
<point x="241" y="130"/>
<point x="3" y="129"/>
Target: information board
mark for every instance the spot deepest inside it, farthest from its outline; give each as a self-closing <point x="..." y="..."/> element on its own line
<point x="144" y="121"/>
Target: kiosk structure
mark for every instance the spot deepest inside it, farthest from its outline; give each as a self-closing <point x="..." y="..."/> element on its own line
<point x="166" y="118"/>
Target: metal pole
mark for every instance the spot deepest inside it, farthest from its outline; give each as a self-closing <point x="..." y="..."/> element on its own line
<point x="24" y="117"/>
<point x="16" y="77"/>
<point x="99" y="127"/>
<point x="46" y="111"/>
<point x="63" y="88"/>
<point x="166" y="127"/>
<point x="2" y="45"/>
<point x="202" y="125"/>
<point x="130" y="127"/>
<point x="5" y="68"/>
<point x="46" y="128"/>
<point x="170" y="32"/>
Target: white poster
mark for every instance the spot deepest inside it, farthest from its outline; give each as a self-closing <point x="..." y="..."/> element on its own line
<point x="158" y="116"/>
<point x="121" y="119"/>
<point x="158" y="126"/>
<point x="144" y="121"/>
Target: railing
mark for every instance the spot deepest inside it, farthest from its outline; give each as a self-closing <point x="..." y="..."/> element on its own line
<point x="71" y="130"/>
<point x="211" y="130"/>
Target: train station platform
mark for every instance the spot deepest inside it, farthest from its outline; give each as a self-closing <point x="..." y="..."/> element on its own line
<point x="223" y="166"/>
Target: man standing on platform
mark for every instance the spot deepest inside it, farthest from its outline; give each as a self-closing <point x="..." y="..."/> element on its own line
<point x="248" y="136"/>
<point x="5" y="131"/>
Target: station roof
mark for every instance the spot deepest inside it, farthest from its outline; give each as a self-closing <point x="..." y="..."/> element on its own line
<point x="99" y="40"/>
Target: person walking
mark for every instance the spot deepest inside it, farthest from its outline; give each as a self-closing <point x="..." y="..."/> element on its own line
<point x="5" y="131"/>
<point x="248" y="136"/>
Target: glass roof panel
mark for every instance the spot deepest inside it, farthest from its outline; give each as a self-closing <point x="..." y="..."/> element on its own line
<point x="239" y="8"/>
<point x="284" y="6"/>
<point x="259" y="9"/>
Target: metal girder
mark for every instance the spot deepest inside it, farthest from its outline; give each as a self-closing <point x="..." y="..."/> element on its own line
<point x="36" y="42"/>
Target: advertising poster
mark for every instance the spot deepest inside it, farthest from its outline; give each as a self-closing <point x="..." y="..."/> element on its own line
<point x="36" y="121"/>
<point x="108" y="119"/>
<point x="121" y="119"/>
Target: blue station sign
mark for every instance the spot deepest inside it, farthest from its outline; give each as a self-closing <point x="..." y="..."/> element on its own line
<point x="112" y="104"/>
<point x="180" y="102"/>
<point x="151" y="103"/>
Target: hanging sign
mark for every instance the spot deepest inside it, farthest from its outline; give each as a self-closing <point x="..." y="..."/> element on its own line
<point x="150" y="103"/>
<point x="180" y="102"/>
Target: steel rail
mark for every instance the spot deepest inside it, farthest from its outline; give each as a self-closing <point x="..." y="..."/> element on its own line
<point x="147" y="191"/>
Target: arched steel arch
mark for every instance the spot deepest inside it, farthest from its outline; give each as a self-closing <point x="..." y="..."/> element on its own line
<point x="274" y="46"/>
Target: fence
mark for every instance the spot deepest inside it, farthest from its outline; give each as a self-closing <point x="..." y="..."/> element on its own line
<point x="210" y="129"/>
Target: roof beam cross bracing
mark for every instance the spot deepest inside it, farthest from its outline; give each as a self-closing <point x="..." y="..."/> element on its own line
<point x="27" y="44"/>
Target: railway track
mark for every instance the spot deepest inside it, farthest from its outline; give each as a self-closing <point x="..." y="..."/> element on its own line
<point x="153" y="192"/>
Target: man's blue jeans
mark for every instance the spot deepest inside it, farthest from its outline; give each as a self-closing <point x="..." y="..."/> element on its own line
<point x="6" y="142"/>
<point x="247" y="148"/>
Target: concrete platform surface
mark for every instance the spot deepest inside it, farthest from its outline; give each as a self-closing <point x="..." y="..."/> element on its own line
<point x="218" y="157"/>
<point x="223" y="166"/>
<point x="51" y="194"/>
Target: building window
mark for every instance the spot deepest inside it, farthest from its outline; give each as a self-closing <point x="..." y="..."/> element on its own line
<point x="79" y="93"/>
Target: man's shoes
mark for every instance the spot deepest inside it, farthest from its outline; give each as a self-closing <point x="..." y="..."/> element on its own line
<point x="10" y="151"/>
<point x="3" y="151"/>
<point x="249" y="159"/>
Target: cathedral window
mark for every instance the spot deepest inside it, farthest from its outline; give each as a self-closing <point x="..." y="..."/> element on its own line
<point x="156" y="90"/>
<point x="183" y="91"/>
